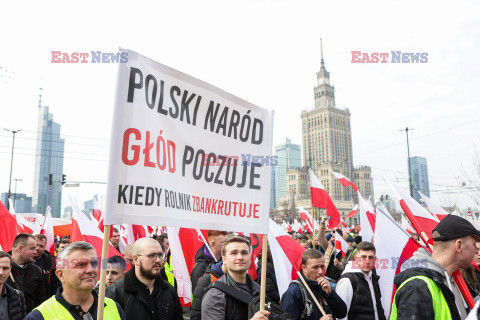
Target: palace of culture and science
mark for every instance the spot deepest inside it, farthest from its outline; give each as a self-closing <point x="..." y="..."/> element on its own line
<point x="326" y="147"/>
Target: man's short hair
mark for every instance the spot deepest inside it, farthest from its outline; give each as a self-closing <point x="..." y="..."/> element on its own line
<point x="311" y="254"/>
<point x="232" y="239"/>
<point x="162" y="237"/>
<point x="128" y="249"/>
<point x="65" y="240"/>
<point x="366" y="246"/>
<point x="115" y="230"/>
<point x="40" y="237"/>
<point x="118" y="262"/>
<point x="75" y="246"/>
<point x="216" y="233"/>
<point x="22" y="239"/>
<point x="6" y="255"/>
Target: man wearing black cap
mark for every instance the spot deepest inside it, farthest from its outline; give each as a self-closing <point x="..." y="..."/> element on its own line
<point x="425" y="287"/>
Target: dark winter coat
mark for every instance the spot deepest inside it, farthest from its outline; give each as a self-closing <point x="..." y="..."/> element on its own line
<point x="212" y="274"/>
<point x="134" y="298"/>
<point x="15" y="303"/>
<point x="29" y="280"/>
<point x="202" y="262"/>
<point x="292" y="302"/>
<point x="272" y="287"/>
<point x="47" y="263"/>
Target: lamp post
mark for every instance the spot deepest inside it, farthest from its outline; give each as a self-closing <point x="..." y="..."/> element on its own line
<point x="11" y="165"/>
<point x="15" y="193"/>
<point x="409" y="171"/>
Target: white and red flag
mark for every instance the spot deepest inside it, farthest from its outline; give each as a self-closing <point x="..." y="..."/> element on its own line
<point x="184" y="244"/>
<point x="84" y="229"/>
<point x="340" y="244"/>
<point x="26" y="222"/>
<point x="406" y="225"/>
<point x="414" y="211"/>
<point x="321" y="199"/>
<point x="433" y="207"/>
<point x="394" y="246"/>
<point x="8" y="228"/>
<point x="367" y="218"/>
<point x="288" y="256"/>
<point x="353" y="212"/>
<point x="307" y="219"/>
<point x="344" y="181"/>
<point x="47" y="230"/>
<point x="97" y="211"/>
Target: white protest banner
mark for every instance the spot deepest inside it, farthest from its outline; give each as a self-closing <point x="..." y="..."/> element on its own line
<point x="185" y="153"/>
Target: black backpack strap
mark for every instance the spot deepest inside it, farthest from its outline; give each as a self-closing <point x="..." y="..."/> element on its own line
<point x="232" y="292"/>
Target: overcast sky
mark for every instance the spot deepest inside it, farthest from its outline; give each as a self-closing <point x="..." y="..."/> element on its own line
<point x="266" y="52"/>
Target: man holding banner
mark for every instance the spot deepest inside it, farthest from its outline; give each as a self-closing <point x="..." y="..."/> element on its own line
<point x="426" y="289"/>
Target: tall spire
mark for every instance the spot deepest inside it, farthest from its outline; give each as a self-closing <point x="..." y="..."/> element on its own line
<point x="321" y="52"/>
<point x="40" y="95"/>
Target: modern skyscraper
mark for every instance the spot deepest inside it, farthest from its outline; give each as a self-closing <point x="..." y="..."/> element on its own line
<point x="419" y="173"/>
<point x="289" y="155"/>
<point x="47" y="189"/>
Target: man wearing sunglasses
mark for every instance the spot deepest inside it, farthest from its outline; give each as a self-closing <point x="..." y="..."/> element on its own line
<point x="142" y="293"/>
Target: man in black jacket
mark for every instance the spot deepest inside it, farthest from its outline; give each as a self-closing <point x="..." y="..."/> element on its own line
<point x="142" y="293"/>
<point x="46" y="262"/>
<point x="216" y="305"/>
<point x="425" y="287"/>
<point x="358" y="287"/>
<point x="299" y="304"/>
<point x="27" y="276"/>
<point x="204" y="258"/>
<point x="12" y="302"/>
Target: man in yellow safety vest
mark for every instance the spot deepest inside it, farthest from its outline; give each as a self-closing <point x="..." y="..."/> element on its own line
<point x="425" y="287"/>
<point x="77" y="269"/>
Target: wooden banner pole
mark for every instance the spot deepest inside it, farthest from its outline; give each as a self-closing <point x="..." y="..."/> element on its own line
<point x="103" y="272"/>
<point x="311" y="293"/>
<point x="263" y="275"/>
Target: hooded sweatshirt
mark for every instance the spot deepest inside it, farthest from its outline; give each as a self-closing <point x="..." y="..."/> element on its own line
<point x="421" y="263"/>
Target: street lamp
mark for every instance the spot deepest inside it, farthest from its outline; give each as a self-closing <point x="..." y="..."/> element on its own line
<point x="15" y="193"/>
<point x="11" y="165"/>
<point x="409" y="171"/>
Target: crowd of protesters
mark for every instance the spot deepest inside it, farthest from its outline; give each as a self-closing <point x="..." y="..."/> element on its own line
<point x="331" y="285"/>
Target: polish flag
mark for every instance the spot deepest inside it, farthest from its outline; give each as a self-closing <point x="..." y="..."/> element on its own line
<point x="97" y="211"/>
<point x="184" y="244"/>
<point x="19" y="227"/>
<point x="420" y="218"/>
<point x="29" y="222"/>
<point x="353" y="212"/>
<point x="434" y="208"/>
<point x="344" y="181"/>
<point x="367" y="218"/>
<point x="8" y="228"/>
<point x="84" y="229"/>
<point x="321" y="199"/>
<point x="307" y="218"/>
<point x="47" y="230"/>
<point x="288" y="256"/>
<point x="340" y="244"/>
<point x="394" y="246"/>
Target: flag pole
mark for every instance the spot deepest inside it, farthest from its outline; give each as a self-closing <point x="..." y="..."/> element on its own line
<point x="206" y="244"/>
<point x="103" y="272"/>
<point x="263" y="276"/>
<point x="311" y="293"/>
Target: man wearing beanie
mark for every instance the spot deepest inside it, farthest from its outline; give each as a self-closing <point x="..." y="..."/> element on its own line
<point x="425" y="287"/>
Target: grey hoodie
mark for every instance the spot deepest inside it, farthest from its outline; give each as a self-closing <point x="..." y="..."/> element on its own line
<point x="422" y="259"/>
